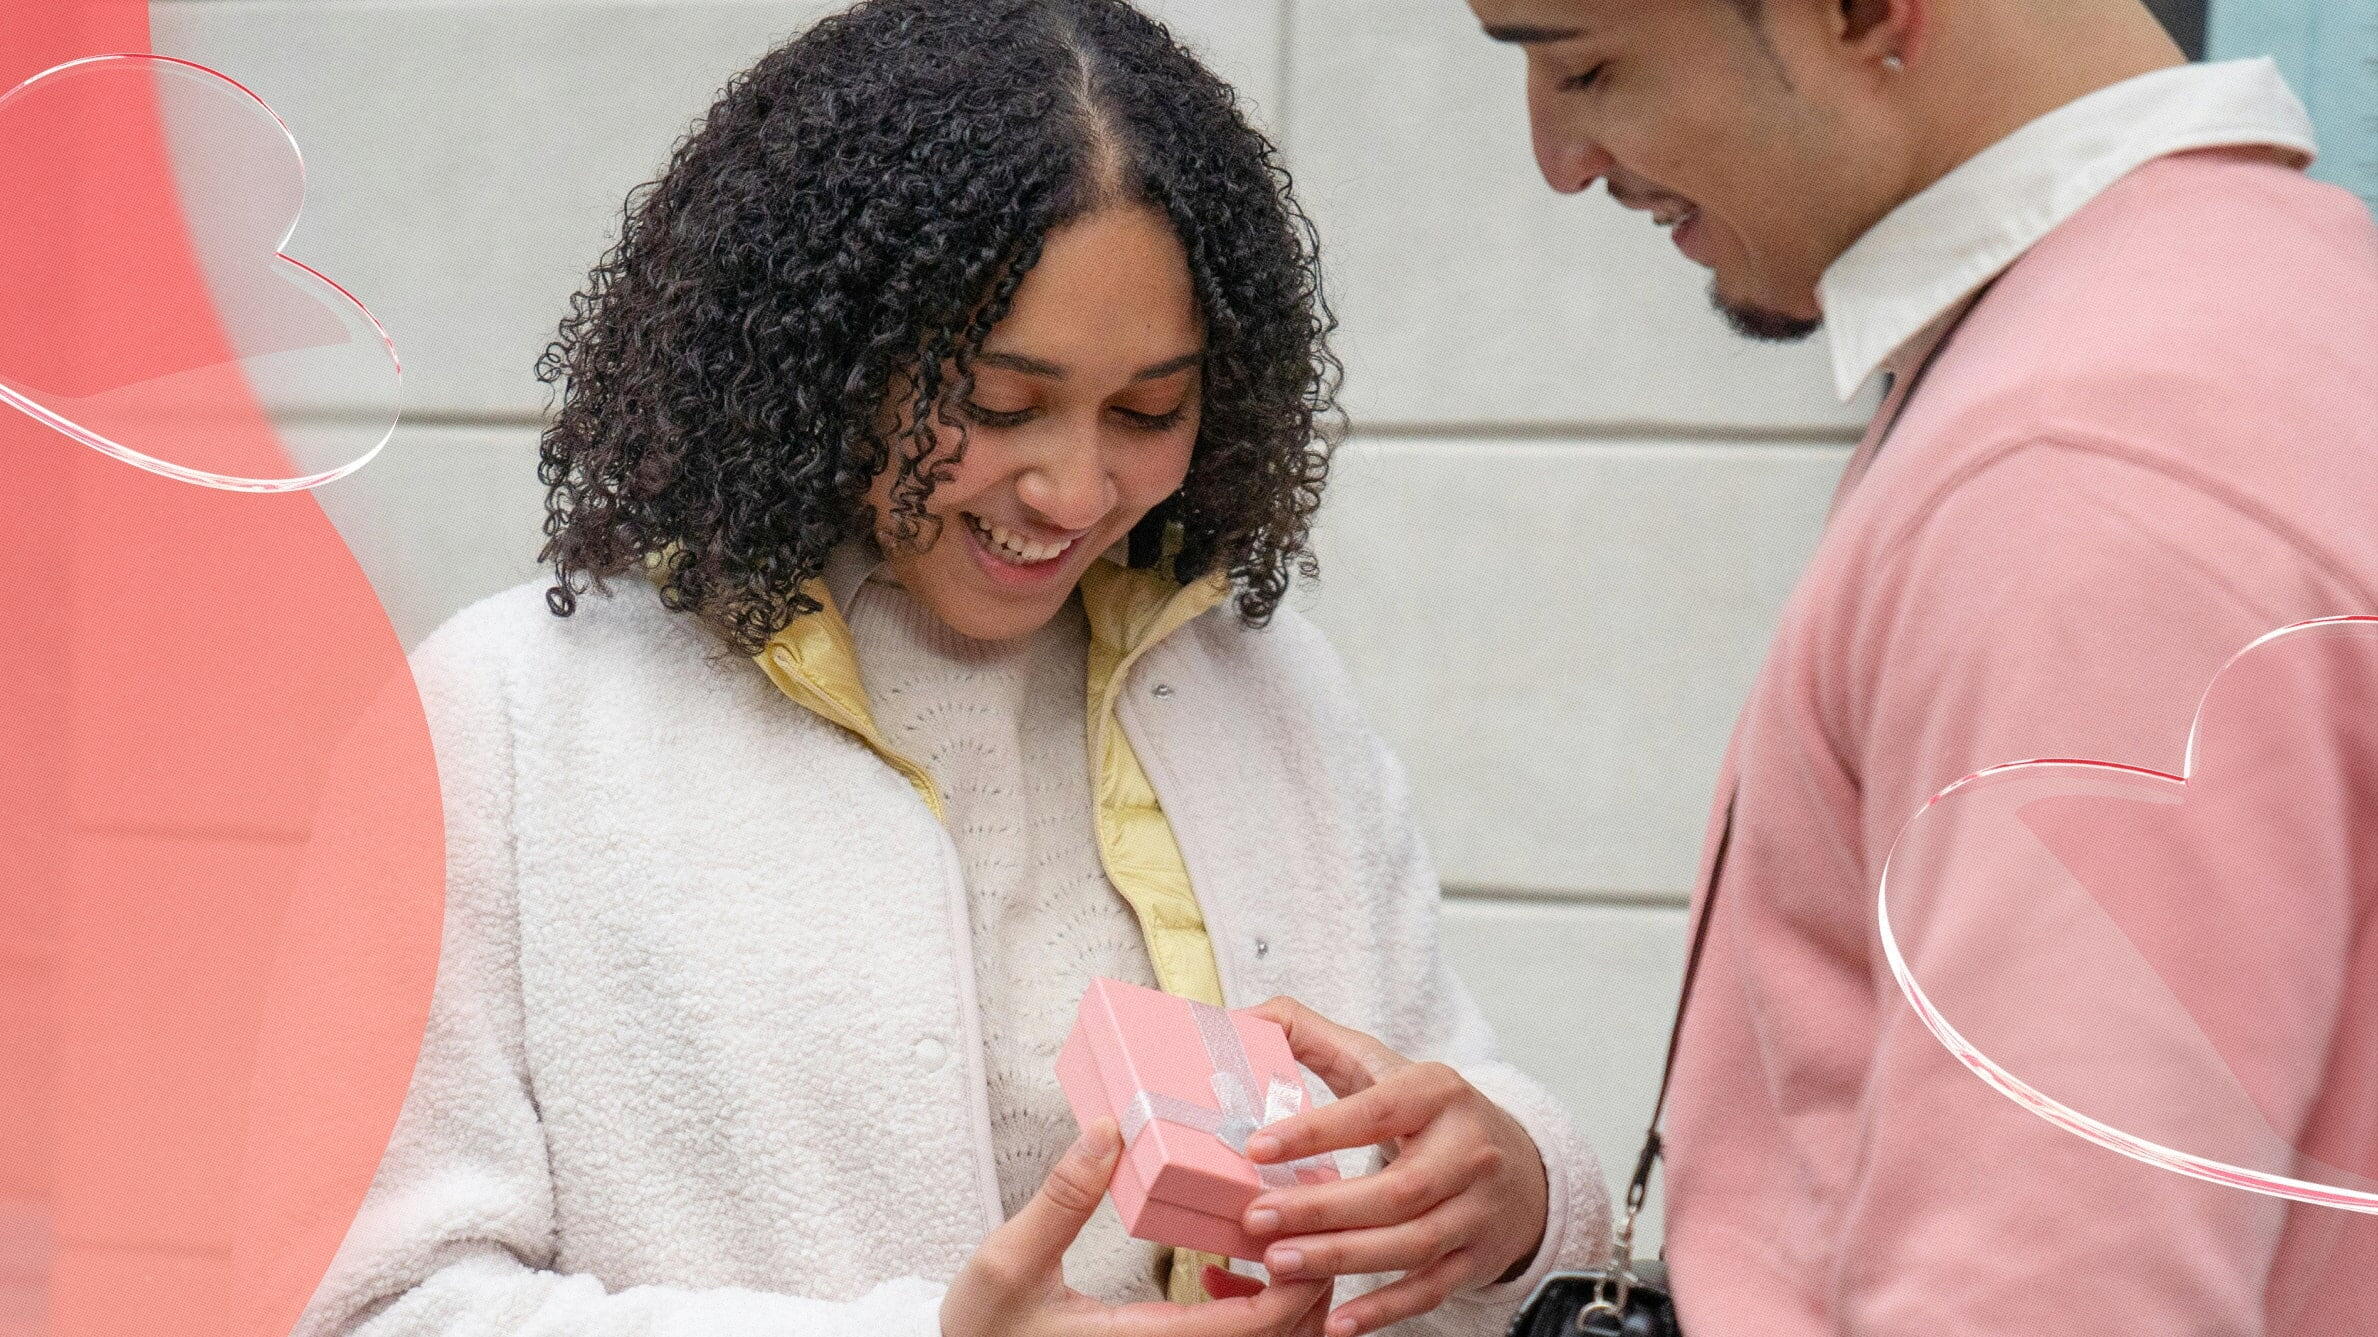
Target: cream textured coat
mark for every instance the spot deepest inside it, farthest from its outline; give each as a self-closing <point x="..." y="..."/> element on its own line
<point x="704" y="1058"/>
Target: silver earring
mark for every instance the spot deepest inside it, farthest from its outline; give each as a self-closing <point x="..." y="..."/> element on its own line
<point x="1894" y="64"/>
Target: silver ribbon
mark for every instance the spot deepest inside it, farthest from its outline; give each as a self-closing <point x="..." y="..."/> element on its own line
<point x="1234" y="1116"/>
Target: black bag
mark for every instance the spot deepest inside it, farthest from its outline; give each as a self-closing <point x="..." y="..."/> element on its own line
<point x="1634" y="1303"/>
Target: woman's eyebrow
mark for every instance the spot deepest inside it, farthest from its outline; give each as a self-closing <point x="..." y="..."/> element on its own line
<point x="1032" y="366"/>
<point x="1166" y="368"/>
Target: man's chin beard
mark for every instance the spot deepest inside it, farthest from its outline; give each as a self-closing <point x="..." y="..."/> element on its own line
<point x="1758" y="322"/>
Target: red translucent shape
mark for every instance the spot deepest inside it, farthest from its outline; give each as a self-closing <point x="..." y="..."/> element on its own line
<point x="221" y="854"/>
<point x="2181" y="969"/>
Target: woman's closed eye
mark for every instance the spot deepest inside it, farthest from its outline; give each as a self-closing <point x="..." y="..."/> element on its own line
<point x="983" y="416"/>
<point x="990" y="417"/>
<point x="1154" y="422"/>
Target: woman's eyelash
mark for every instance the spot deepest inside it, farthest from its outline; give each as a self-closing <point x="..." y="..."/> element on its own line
<point x="1154" y="422"/>
<point x="1578" y="83"/>
<point x="991" y="418"/>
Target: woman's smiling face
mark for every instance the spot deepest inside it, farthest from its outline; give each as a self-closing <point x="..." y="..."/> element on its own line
<point x="1083" y="418"/>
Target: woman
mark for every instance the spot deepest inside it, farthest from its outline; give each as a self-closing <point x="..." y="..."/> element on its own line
<point x="954" y="391"/>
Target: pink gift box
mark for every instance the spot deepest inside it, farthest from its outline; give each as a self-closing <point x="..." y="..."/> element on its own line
<point x="1187" y="1083"/>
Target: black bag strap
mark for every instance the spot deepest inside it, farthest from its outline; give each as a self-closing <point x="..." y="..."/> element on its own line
<point x="1639" y="1184"/>
<point x="1647" y="1160"/>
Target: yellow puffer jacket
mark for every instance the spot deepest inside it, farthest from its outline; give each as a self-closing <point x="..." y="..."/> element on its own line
<point x="815" y="662"/>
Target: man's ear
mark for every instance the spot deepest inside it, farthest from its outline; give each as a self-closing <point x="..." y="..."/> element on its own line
<point x="1876" y="29"/>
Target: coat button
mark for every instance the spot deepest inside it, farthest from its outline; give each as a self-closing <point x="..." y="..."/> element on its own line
<point x="931" y="1054"/>
<point x="1263" y="948"/>
<point x="1161" y="689"/>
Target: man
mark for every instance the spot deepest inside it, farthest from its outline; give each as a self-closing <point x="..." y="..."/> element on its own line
<point x="2143" y="431"/>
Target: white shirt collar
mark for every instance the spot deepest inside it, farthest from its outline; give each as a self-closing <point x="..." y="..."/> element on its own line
<point x="1936" y="248"/>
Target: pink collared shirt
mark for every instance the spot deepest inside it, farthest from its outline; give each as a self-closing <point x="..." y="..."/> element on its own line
<point x="2152" y="441"/>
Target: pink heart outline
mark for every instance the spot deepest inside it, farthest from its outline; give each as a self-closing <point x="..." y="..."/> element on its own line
<point x="1999" y="1078"/>
<point x="324" y="291"/>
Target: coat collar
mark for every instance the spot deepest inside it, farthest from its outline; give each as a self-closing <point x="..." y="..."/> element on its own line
<point x="815" y="661"/>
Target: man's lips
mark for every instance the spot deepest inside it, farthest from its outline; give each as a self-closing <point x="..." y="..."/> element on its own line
<point x="1668" y="211"/>
<point x="1664" y="209"/>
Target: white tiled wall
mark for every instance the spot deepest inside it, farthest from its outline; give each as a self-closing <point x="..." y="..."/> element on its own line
<point x="1556" y="634"/>
<point x="1570" y="510"/>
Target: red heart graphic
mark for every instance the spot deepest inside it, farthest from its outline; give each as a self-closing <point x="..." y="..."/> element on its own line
<point x="2182" y="969"/>
<point x="103" y="339"/>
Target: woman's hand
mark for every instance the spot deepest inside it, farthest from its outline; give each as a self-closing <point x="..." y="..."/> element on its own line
<point x="1461" y="1203"/>
<point x="1014" y="1286"/>
<point x="1221" y="1283"/>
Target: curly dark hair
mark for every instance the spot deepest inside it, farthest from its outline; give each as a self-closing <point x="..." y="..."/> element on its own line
<point x="852" y="217"/>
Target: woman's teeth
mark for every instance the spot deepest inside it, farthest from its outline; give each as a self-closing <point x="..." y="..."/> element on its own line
<point x="1674" y="217"/>
<point x="1014" y="547"/>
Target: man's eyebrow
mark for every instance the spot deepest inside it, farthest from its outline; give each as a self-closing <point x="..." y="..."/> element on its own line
<point x="1032" y="366"/>
<point x="1529" y="36"/>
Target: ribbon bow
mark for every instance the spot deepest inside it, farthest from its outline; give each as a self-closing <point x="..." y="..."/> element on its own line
<point x="1234" y="1117"/>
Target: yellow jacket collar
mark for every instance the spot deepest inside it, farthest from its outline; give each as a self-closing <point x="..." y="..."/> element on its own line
<point x="815" y="662"/>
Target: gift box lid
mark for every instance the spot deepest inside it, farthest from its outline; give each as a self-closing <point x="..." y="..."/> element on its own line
<point x="1187" y="1082"/>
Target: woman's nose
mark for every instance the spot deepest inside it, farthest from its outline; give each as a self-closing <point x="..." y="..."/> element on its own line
<point x="1069" y="487"/>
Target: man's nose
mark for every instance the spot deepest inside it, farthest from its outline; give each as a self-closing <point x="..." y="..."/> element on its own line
<point x="1570" y="165"/>
<point x="1570" y="160"/>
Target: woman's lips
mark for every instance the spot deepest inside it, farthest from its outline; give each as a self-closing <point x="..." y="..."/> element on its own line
<point x="1009" y="573"/>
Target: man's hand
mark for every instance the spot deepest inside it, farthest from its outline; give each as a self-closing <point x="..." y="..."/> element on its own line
<point x="1014" y="1285"/>
<point x="1461" y="1203"/>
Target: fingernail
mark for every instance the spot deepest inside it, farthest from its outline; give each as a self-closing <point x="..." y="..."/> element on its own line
<point x="1341" y="1326"/>
<point x="1263" y="1221"/>
<point x="1284" y="1262"/>
<point x="1262" y="1147"/>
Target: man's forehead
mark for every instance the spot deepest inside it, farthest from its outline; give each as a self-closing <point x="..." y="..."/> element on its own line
<point x="1533" y="22"/>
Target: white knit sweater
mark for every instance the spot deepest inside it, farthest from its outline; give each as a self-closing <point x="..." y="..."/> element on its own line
<point x="705" y="1054"/>
<point x="1002" y="728"/>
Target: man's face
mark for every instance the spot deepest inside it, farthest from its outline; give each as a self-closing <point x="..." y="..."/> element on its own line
<point x="1728" y="129"/>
